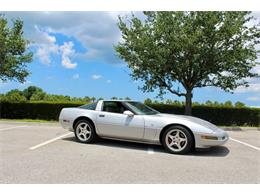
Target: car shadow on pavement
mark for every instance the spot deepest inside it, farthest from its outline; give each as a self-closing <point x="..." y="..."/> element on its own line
<point x="115" y="144"/>
<point x="217" y="151"/>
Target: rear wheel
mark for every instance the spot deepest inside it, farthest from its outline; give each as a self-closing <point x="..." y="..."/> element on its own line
<point x="85" y="132"/>
<point x="177" y="140"/>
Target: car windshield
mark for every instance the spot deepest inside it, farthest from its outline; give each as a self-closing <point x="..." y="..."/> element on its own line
<point x="140" y="108"/>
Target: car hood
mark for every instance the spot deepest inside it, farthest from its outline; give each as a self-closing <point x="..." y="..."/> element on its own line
<point x="191" y="119"/>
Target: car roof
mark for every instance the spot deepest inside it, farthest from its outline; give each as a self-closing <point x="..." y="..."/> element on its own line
<point x="120" y="100"/>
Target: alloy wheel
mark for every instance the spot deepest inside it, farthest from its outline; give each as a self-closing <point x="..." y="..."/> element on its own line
<point x="176" y="140"/>
<point x="83" y="131"/>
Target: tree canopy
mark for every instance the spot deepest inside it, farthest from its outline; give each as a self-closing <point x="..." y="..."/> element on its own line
<point x="32" y="91"/>
<point x="14" y="54"/>
<point x="190" y="49"/>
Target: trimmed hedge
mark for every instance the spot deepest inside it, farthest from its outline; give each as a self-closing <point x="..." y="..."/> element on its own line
<point x="33" y="110"/>
<point x="216" y="115"/>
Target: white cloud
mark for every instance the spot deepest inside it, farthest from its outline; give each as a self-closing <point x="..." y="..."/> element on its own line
<point x="66" y="52"/>
<point x="96" y="31"/>
<point x="96" y="76"/>
<point x="25" y="84"/>
<point x="3" y="84"/>
<point x="253" y="87"/>
<point x="256" y="69"/>
<point x="254" y="98"/>
<point x="255" y="106"/>
<point x="108" y="81"/>
<point x="46" y="45"/>
<point x="226" y="74"/>
<point x="75" y="76"/>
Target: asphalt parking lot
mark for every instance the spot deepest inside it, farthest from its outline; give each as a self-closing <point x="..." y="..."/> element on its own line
<point x="46" y="153"/>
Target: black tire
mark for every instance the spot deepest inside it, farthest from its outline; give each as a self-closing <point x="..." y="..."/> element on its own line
<point x="190" y="141"/>
<point x="91" y="138"/>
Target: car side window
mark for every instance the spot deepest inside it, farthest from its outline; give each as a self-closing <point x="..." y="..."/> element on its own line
<point x="113" y="106"/>
<point x="90" y="106"/>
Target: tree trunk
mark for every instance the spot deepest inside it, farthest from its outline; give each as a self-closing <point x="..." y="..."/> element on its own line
<point x="188" y="103"/>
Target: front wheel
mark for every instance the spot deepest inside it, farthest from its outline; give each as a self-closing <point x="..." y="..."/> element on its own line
<point x="85" y="132"/>
<point x="177" y="140"/>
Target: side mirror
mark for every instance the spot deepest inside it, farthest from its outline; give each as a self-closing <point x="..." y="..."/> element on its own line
<point x="128" y="113"/>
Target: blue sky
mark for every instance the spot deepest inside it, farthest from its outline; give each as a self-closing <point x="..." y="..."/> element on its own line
<point x="73" y="55"/>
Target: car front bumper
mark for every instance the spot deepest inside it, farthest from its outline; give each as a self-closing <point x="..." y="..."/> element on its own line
<point x="203" y="140"/>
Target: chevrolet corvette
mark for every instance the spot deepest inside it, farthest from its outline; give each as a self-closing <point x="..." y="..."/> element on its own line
<point x="137" y="122"/>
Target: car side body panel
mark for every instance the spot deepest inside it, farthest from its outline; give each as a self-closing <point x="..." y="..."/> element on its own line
<point x="69" y="115"/>
<point x="120" y="125"/>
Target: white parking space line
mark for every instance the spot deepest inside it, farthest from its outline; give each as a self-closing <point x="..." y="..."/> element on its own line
<point x="50" y="141"/>
<point x="246" y="144"/>
<point x="9" y="128"/>
<point x="150" y="151"/>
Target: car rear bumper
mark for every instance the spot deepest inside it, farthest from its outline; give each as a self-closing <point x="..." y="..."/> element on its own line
<point x="65" y="120"/>
<point x="66" y="124"/>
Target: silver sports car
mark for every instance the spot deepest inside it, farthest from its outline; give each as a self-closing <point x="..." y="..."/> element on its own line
<point x="134" y="121"/>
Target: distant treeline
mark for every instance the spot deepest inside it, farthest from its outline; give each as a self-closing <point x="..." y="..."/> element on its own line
<point x="217" y="115"/>
<point x="36" y="94"/>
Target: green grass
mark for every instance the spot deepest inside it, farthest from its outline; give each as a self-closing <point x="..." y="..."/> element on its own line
<point x="29" y="120"/>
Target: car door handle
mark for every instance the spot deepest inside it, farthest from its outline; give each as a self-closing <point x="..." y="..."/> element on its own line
<point x="101" y="115"/>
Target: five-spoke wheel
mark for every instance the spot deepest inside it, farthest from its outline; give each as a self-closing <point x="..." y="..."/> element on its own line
<point x="177" y="140"/>
<point x="84" y="131"/>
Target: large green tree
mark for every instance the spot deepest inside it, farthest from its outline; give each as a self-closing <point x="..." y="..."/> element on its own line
<point x="13" y="51"/>
<point x="33" y="91"/>
<point x="190" y="49"/>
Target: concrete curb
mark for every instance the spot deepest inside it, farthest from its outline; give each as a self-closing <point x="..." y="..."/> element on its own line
<point x="31" y="123"/>
<point x="241" y="128"/>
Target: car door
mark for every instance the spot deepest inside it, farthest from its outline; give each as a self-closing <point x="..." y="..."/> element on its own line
<point x="111" y="122"/>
